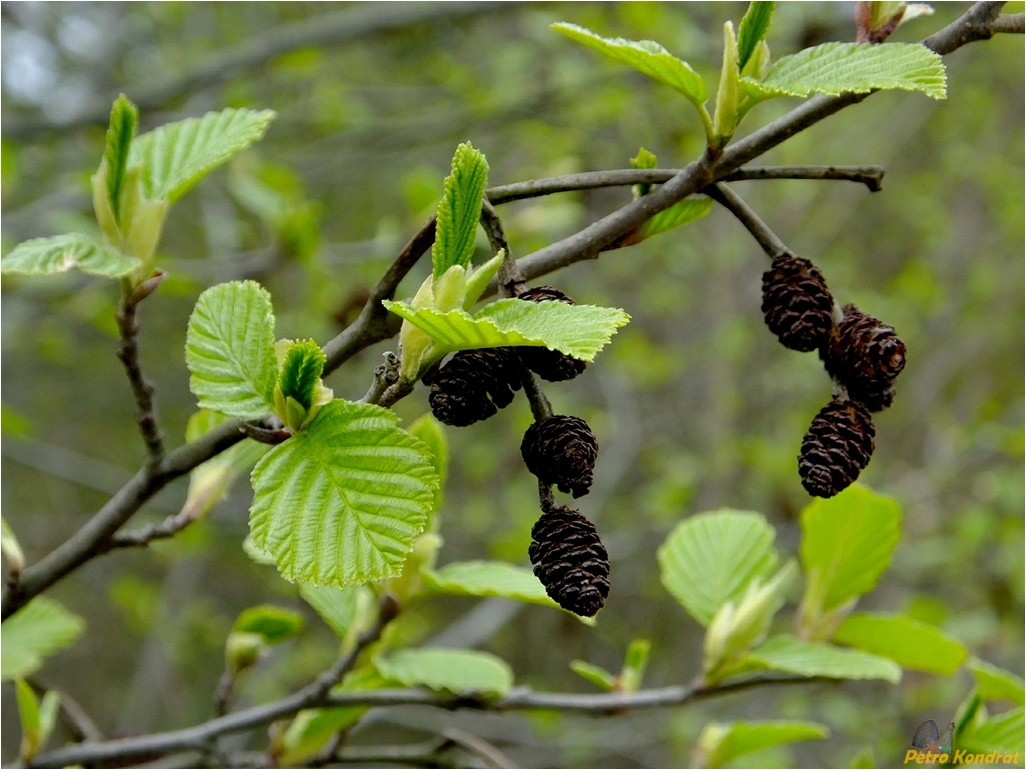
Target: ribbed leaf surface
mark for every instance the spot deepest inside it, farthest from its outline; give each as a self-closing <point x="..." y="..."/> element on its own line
<point x="229" y="349"/>
<point x="45" y="256"/>
<point x="645" y="56"/>
<point x="794" y="656"/>
<point x="577" y="330"/>
<point x="341" y="502"/>
<point x="301" y="371"/>
<point x="711" y="557"/>
<point x="836" y="68"/>
<point x="459" y="211"/>
<point x="753" y="28"/>
<point x="175" y="156"/>
<point x="123" y="119"/>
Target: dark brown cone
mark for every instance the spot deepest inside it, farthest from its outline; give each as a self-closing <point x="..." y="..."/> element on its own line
<point x="836" y="448"/>
<point x="864" y="355"/>
<point x="561" y="450"/>
<point x="474" y="385"/>
<point x="551" y="365"/>
<point x="796" y="303"/>
<point x="570" y="560"/>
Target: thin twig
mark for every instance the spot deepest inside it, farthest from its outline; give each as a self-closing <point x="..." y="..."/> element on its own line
<point x="770" y="242"/>
<point x="385" y="375"/>
<point x="128" y="352"/>
<point x="143" y="536"/>
<point x="475" y="745"/>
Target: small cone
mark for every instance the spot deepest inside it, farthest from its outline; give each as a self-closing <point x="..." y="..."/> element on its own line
<point x="570" y="560"/>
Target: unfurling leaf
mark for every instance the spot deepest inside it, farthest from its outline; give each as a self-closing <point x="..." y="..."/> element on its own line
<point x="60" y="253"/>
<point x="459" y="211"/>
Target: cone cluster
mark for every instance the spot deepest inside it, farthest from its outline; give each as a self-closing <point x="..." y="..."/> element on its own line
<point x="551" y="365"/>
<point x="474" y="385"/>
<point x="570" y="560"/>
<point x="861" y="354"/>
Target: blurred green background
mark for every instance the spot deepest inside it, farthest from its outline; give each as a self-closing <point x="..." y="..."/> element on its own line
<point x="695" y="405"/>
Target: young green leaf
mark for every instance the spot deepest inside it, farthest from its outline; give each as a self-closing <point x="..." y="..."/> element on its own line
<point x="597" y="675"/>
<point x="429" y="430"/>
<point x="728" y="94"/>
<point x="211" y="481"/>
<point x="794" y="656"/>
<point x="177" y="155"/>
<point x="847" y="542"/>
<point x="712" y="557"/>
<point x="722" y="743"/>
<point x="301" y="371"/>
<point x="229" y="349"/>
<point x="488" y="578"/>
<point x="60" y="253"/>
<point x="38" y="718"/>
<point x="11" y="549"/>
<point x="752" y="29"/>
<point x="342" y="502"/>
<point x="580" y="331"/>
<point x="996" y="684"/>
<point x="345" y="610"/>
<point x="459" y="211"/>
<point x="1002" y="733"/>
<point x="273" y="625"/>
<point x="836" y="68"/>
<point x="456" y="671"/>
<point x="36" y="631"/>
<point x="124" y="117"/>
<point x="645" y="56"/>
<point x="680" y="213"/>
<point x="908" y="642"/>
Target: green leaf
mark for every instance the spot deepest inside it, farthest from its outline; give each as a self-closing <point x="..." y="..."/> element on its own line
<point x="722" y="743"/>
<point x="580" y="331"/>
<point x="342" y="502"/>
<point x="646" y="56"/>
<point x="456" y="671"/>
<point x="847" y="543"/>
<point x="794" y="656"/>
<point x="177" y="155"/>
<point x="49" y="709"/>
<point x="28" y="712"/>
<point x="488" y="578"/>
<point x="60" y="253"/>
<point x="211" y="481"/>
<point x="680" y="213"/>
<point x="36" y="631"/>
<point x="1002" y="733"/>
<point x="908" y="642"/>
<point x="345" y="610"/>
<point x="836" y="68"/>
<point x="728" y="94"/>
<point x="597" y="675"/>
<point x="124" y="117"/>
<point x="995" y="683"/>
<point x="430" y="431"/>
<point x="229" y="349"/>
<point x="273" y="625"/>
<point x="459" y="211"/>
<point x="301" y="371"/>
<point x="752" y="29"/>
<point x="711" y="558"/>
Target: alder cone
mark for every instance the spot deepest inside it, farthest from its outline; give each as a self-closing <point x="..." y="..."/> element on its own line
<point x="865" y="356"/>
<point x="796" y="303"/>
<point x="836" y="448"/>
<point x="551" y="365"/>
<point x="474" y="385"/>
<point x="570" y="560"/>
<point x="561" y="450"/>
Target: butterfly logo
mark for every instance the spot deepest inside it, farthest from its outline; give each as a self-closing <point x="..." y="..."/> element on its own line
<point x="928" y="738"/>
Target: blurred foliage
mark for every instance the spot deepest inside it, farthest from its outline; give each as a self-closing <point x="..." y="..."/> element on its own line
<point x="694" y="404"/>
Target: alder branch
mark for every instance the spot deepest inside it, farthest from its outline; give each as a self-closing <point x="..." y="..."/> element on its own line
<point x="770" y="242"/>
<point x="199" y="737"/>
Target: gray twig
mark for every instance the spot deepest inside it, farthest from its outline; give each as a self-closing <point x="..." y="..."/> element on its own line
<point x="771" y="244"/>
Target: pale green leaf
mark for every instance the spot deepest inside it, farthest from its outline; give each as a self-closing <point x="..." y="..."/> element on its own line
<point x="645" y="56"/>
<point x="1001" y="733"/>
<point x="721" y="743"/>
<point x="28" y="712"/>
<point x="301" y="371"/>
<point x="836" y="68"/>
<point x="488" y="578"/>
<point x="680" y="213"/>
<point x="597" y="675"/>
<point x="429" y="430"/>
<point x="711" y="558"/>
<point x="33" y="633"/>
<point x="752" y="29"/>
<point x="229" y="349"/>
<point x="794" y="656"/>
<point x="342" y="502"/>
<point x="459" y="211"/>
<point x="209" y="482"/>
<point x="847" y="543"/>
<point x="728" y="93"/>
<point x="10" y="548"/>
<point x="448" y="670"/>
<point x="997" y="684"/>
<point x="175" y="156"/>
<point x="49" y="709"/>
<point x="124" y="117"/>
<point x="60" y="253"/>
<point x="345" y="610"/>
<point x="580" y="331"/>
<point x="273" y="625"/>
<point x="908" y="642"/>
